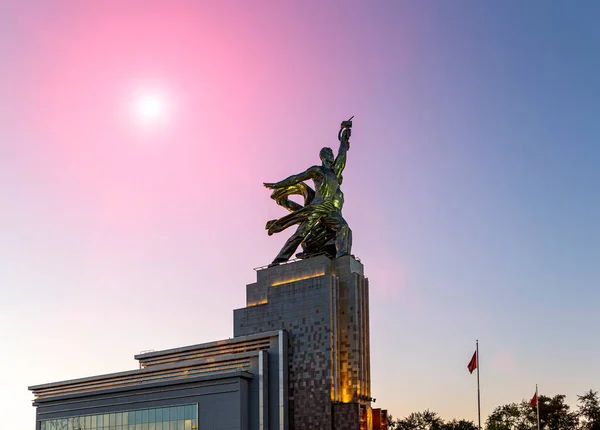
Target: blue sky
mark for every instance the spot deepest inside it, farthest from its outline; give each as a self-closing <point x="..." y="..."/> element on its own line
<point x="471" y="184"/>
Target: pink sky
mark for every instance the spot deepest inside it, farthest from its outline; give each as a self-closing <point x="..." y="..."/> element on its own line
<point x="468" y="186"/>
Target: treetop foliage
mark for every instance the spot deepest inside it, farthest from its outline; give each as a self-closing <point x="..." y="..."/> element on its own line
<point x="555" y="414"/>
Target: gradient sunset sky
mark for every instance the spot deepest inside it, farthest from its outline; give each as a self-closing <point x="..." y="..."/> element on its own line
<point x="472" y="183"/>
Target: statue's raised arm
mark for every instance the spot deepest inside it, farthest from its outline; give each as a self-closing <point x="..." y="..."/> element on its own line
<point x="344" y="138"/>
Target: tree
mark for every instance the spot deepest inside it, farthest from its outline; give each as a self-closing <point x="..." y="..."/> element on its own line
<point x="391" y="424"/>
<point x="555" y="414"/>
<point x="508" y="417"/>
<point x="459" y="425"/>
<point x="589" y="411"/>
<point x="426" y="420"/>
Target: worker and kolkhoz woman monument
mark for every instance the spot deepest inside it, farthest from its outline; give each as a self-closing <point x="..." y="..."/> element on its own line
<point x="321" y="226"/>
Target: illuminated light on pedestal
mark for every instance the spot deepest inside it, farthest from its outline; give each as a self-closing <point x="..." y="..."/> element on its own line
<point x="257" y="302"/>
<point x="296" y="279"/>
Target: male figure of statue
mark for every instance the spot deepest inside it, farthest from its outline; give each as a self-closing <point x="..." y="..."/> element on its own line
<point x="324" y="209"/>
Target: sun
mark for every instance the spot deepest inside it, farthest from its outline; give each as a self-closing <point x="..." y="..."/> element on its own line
<point x="150" y="107"/>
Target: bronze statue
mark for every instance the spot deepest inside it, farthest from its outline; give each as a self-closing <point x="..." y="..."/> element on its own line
<point x="321" y="229"/>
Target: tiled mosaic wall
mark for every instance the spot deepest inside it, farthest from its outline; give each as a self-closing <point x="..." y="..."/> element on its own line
<point x="354" y="355"/>
<point x="310" y="337"/>
<point x="347" y="416"/>
<point x="324" y="308"/>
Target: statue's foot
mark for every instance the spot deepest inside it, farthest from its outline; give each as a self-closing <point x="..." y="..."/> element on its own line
<point x="306" y="255"/>
<point x="278" y="261"/>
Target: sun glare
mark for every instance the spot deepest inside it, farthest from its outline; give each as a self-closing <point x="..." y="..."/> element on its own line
<point x="150" y="107"/>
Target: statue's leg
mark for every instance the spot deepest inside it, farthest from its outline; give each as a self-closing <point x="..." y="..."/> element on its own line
<point x="343" y="236"/>
<point x="293" y="242"/>
<point x="288" y="249"/>
<point x="343" y="242"/>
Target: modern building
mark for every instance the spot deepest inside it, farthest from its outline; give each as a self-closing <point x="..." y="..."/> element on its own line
<point x="299" y="360"/>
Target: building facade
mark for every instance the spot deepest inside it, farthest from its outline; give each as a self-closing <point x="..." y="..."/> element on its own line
<point x="299" y="359"/>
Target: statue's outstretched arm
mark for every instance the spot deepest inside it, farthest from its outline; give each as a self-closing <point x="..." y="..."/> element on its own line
<point x="309" y="173"/>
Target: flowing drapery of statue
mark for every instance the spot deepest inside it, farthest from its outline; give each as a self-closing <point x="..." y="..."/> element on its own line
<point x="321" y="227"/>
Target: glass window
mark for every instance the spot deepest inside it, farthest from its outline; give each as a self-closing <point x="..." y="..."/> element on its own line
<point x="183" y="417"/>
<point x="79" y="423"/>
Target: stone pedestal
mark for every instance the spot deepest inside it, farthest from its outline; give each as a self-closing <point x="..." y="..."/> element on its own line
<point x="323" y="305"/>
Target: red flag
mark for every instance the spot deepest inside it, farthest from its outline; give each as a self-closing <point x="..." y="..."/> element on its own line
<point x="533" y="401"/>
<point x="473" y="363"/>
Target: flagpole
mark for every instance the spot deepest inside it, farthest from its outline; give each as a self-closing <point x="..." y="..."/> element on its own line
<point x="537" y="405"/>
<point x="478" y="394"/>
